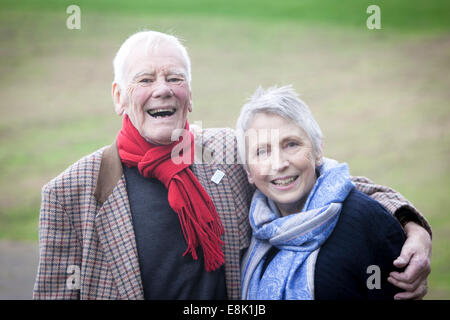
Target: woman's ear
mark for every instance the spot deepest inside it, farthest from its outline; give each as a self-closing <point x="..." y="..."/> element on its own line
<point x="319" y="156"/>
<point x="319" y="161"/>
<point x="119" y="105"/>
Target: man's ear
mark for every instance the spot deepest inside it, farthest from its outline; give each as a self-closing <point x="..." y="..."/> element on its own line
<point x="119" y="105"/>
<point x="190" y="106"/>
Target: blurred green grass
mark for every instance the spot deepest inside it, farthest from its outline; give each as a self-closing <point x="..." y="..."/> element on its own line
<point x="381" y="97"/>
<point x="399" y="14"/>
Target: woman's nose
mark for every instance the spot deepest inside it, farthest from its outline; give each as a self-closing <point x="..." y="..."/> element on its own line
<point x="279" y="163"/>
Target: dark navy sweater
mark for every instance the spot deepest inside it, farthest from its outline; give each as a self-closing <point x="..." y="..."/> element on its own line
<point x="165" y="272"/>
<point x="365" y="235"/>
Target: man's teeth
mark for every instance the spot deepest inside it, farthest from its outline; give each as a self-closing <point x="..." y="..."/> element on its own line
<point x="161" y="112"/>
<point x="283" y="182"/>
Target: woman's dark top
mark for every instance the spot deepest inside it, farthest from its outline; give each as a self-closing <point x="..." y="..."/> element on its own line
<point x="365" y="235"/>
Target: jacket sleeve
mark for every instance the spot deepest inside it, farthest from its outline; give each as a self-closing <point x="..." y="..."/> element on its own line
<point x="58" y="275"/>
<point x="393" y="201"/>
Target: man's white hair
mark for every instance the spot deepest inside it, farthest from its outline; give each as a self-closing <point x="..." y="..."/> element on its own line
<point x="149" y="40"/>
<point x="281" y="101"/>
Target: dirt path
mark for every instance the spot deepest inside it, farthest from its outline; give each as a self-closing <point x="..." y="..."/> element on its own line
<point x="18" y="267"/>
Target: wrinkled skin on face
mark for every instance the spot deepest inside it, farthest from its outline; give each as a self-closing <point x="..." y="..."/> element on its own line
<point x="157" y="96"/>
<point x="281" y="161"/>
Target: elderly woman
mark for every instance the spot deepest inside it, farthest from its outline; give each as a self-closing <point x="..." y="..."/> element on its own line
<point x="314" y="235"/>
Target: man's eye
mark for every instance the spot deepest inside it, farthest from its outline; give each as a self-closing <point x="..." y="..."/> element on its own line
<point x="145" y="80"/>
<point x="174" y="79"/>
<point x="292" y="144"/>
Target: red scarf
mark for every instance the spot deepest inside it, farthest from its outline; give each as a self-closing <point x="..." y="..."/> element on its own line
<point x="198" y="217"/>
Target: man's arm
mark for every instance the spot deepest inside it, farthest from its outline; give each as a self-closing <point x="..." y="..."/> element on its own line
<point x="416" y="252"/>
<point x="393" y="201"/>
<point x="60" y="254"/>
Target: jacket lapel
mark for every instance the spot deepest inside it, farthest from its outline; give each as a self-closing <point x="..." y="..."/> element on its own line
<point x="222" y="197"/>
<point x="115" y="228"/>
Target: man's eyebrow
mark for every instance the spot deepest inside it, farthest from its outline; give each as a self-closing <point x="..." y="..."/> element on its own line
<point x="152" y="73"/>
<point x="144" y="73"/>
<point x="177" y="72"/>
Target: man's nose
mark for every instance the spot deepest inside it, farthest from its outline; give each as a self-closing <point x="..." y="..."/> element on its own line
<point x="162" y="90"/>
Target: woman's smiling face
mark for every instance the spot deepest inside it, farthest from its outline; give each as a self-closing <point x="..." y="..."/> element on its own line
<point x="281" y="161"/>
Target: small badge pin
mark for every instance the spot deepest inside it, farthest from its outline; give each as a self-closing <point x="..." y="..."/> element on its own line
<point x="217" y="176"/>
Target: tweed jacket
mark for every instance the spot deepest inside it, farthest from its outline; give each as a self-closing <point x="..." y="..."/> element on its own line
<point x="87" y="242"/>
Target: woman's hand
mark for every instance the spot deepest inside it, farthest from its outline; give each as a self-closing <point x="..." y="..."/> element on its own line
<point x="416" y="254"/>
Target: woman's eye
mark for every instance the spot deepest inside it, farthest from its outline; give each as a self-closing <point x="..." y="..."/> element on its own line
<point x="292" y="144"/>
<point x="261" y="152"/>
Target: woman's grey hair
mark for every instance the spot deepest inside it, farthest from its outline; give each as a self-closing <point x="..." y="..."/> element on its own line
<point x="281" y="101"/>
<point x="151" y="40"/>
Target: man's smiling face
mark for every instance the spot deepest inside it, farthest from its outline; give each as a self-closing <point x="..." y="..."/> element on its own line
<point x="158" y="95"/>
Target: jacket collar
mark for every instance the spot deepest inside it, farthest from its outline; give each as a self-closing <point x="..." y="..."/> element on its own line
<point x="114" y="226"/>
<point x="109" y="174"/>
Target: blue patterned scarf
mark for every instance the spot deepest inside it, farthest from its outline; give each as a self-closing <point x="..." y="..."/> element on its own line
<point x="290" y="274"/>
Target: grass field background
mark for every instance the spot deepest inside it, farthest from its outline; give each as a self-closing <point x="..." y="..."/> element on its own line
<point x="381" y="97"/>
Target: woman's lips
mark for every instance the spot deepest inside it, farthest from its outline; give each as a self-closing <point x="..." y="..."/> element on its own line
<point x="284" y="183"/>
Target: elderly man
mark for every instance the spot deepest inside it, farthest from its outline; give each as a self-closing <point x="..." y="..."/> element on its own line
<point x="130" y="222"/>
